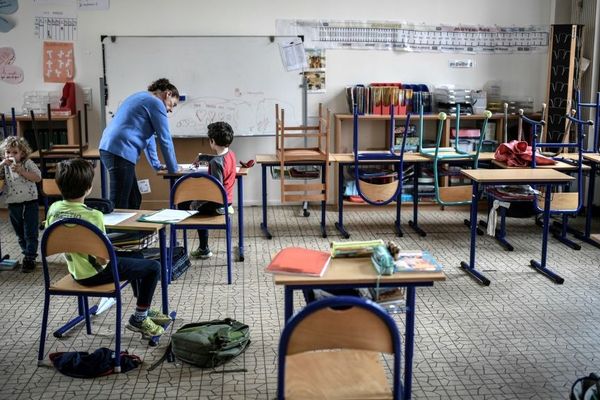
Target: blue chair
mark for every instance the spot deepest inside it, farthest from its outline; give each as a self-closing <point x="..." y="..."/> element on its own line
<point x="72" y="235"/>
<point x="384" y="193"/>
<point x="202" y="187"/>
<point x="564" y="203"/>
<point x="355" y="332"/>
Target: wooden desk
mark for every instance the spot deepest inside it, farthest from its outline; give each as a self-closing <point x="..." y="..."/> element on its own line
<point x="547" y="177"/>
<point x="271" y="160"/>
<point x="239" y="176"/>
<point x="360" y="273"/>
<point x="559" y="166"/>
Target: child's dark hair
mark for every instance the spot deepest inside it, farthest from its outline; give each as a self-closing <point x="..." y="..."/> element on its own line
<point x="163" y="85"/>
<point x="221" y="132"/>
<point x="74" y="177"/>
<point x="18" y="142"/>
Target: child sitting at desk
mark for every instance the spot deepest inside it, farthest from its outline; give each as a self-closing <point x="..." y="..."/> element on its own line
<point x="221" y="165"/>
<point x="74" y="179"/>
<point x="20" y="176"/>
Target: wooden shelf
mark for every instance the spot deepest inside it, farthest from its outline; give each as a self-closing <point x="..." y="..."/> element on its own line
<point x="70" y="124"/>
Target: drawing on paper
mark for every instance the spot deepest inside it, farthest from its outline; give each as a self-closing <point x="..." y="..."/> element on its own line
<point x="249" y="115"/>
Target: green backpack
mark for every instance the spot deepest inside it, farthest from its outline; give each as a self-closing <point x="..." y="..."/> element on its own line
<point x="212" y="343"/>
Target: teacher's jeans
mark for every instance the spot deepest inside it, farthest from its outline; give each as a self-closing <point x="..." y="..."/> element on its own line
<point x="124" y="191"/>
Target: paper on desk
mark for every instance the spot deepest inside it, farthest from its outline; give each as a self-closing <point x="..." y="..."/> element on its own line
<point x="169" y="216"/>
<point x="115" y="218"/>
<point x="200" y="168"/>
<point x="191" y="167"/>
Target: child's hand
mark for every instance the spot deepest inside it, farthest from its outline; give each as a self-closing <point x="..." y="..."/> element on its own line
<point x="8" y="161"/>
<point x="18" y="168"/>
<point x="196" y="162"/>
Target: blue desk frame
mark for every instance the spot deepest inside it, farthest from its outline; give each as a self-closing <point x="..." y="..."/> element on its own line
<point x="541" y="267"/>
<point x="263" y="168"/>
<point x="414" y="223"/>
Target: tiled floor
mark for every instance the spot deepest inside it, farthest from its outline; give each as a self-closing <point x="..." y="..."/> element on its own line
<point x="523" y="337"/>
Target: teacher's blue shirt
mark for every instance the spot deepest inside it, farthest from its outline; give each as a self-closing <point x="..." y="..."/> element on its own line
<point x="139" y="118"/>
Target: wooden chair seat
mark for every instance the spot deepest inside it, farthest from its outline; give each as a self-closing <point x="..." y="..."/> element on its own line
<point x="339" y="374"/>
<point x="68" y="284"/>
<point x="456" y="193"/>
<point x="378" y="192"/>
<point x="203" y="219"/>
<point x="561" y="201"/>
<point x="304" y="154"/>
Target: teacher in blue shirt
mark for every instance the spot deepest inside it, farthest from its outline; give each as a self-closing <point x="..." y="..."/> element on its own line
<point x="139" y="121"/>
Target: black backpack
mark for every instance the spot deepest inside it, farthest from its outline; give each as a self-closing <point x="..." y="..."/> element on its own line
<point x="587" y="388"/>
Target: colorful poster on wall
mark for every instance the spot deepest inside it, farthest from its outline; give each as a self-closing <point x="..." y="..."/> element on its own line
<point x="59" y="62"/>
<point x="9" y="73"/>
<point x="315" y="73"/>
<point x="404" y="36"/>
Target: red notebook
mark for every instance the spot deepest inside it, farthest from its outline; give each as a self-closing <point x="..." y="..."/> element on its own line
<point x="299" y="261"/>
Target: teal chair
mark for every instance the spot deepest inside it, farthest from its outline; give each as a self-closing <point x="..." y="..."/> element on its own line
<point x="450" y="195"/>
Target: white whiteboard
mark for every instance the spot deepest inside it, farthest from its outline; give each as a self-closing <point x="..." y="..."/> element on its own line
<point x="237" y="79"/>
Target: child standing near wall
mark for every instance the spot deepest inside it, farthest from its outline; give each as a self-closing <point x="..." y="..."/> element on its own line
<point x="20" y="176"/>
<point x="221" y="165"/>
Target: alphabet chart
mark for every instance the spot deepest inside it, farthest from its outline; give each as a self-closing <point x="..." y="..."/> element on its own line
<point x="412" y="37"/>
<point x="55" y="26"/>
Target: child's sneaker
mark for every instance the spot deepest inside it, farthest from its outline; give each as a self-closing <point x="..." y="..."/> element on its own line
<point x="28" y="265"/>
<point x="158" y="318"/>
<point x="202" y="254"/>
<point x="146" y="327"/>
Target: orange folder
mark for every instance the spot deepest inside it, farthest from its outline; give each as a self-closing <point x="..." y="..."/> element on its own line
<point x="299" y="261"/>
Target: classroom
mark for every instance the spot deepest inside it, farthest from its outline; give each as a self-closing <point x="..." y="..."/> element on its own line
<point x="395" y="94"/>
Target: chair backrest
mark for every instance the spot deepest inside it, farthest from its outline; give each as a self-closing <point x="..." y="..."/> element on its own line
<point x="318" y="133"/>
<point x="197" y="186"/>
<point x="354" y="323"/>
<point x="578" y="145"/>
<point x="74" y="235"/>
<point x="593" y="145"/>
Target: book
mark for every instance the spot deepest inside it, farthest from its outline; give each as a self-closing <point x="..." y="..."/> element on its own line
<point x="167" y="216"/>
<point x="299" y="261"/>
<point x="416" y="261"/>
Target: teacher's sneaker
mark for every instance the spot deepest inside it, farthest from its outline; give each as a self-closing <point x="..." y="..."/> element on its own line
<point x="147" y="327"/>
<point x="158" y="318"/>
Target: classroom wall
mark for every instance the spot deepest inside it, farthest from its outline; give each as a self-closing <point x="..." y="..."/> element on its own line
<point x="520" y="75"/>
